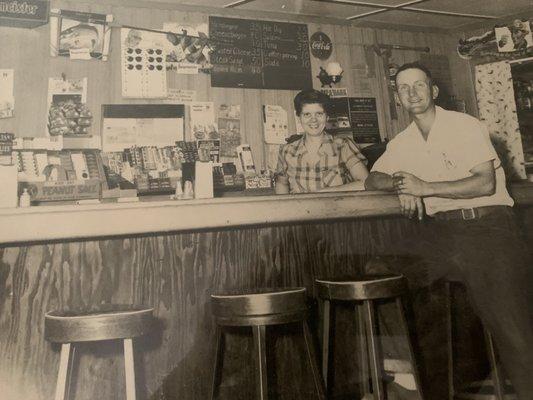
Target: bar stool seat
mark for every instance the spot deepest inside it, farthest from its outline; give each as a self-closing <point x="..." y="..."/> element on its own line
<point x="367" y="287"/>
<point x="363" y="291"/>
<point x="108" y="322"/>
<point x="258" y="308"/>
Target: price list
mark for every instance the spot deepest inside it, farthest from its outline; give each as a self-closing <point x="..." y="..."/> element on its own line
<point x="259" y="54"/>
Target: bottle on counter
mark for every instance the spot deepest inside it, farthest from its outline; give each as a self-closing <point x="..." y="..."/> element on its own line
<point x="25" y="200"/>
<point x="188" y="191"/>
<point x="178" y="194"/>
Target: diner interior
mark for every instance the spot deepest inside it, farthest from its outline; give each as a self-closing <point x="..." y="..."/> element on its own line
<point x="144" y="250"/>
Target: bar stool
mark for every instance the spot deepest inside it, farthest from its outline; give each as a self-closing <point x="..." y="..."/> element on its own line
<point x="364" y="291"/>
<point x="257" y="309"/>
<point x="109" y="322"/>
<point x="476" y="390"/>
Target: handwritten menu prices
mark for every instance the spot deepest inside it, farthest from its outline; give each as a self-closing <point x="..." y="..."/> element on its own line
<point x="259" y="54"/>
<point x="364" y="119"/>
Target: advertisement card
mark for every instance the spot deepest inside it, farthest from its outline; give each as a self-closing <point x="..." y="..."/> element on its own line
<point x="67" y="111"/>
<point x="229" y="128"/>
<point x="188" y="48"/>
<point x="202" y="122"/>
<point x="275" y="124"/>
<point x="79" y="35"/>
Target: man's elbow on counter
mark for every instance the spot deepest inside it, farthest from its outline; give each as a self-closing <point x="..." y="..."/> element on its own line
<point x="490" y="187"/>
<point x="372" y="181"/>
<point x="369" y="183"/>
<point x="487" y="186"/>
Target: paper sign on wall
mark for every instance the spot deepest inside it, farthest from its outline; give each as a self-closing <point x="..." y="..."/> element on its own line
<point x="128" y="125"/>
<point x="143" y="64"/>
<point x="7" y="99"/>
<point x="229" y="127"/>
<point x="123" y="133"/>
<point x="181" y="96"/>
<point x="275" y="124"/>
<point x="203" y="124"/>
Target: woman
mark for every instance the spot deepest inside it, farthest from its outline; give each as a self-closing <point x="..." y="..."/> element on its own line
<point x="317" y="161"/>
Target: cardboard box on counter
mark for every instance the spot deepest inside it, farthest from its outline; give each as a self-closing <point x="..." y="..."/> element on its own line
<point x="64" y="190"/>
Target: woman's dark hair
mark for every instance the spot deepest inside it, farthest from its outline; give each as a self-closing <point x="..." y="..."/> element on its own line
<point x="414" y="65"/>
<point x="310" y="96"/>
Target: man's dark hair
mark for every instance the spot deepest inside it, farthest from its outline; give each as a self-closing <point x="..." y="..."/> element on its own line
<point x="310" y="96"/>
<point x="414" y="65"/>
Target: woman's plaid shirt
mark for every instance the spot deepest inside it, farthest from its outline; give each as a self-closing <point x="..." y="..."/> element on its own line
<point x="336" y="156"/>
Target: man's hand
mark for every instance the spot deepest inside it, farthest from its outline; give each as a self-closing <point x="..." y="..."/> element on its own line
<point x="411" y="206"/>
<point x="406" y="183"/>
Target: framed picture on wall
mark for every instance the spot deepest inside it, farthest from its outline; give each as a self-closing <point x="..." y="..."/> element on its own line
<point x="79" y="35"/>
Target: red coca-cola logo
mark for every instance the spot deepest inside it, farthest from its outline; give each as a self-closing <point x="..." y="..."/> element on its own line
<point x="321" y="46"/>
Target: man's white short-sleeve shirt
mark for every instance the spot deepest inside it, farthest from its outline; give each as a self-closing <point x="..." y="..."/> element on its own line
<point x="456" y="143"/>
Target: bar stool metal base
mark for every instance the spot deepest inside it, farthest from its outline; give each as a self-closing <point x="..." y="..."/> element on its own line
<point x="363" y="291"/>
<point x="258" y="309"/>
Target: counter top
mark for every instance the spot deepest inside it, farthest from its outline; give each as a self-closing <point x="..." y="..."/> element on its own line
<point x="46" y="223"/>
<point x="112" y="219"/>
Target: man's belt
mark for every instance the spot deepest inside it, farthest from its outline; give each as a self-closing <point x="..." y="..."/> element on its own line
<point x="467" y="213"/>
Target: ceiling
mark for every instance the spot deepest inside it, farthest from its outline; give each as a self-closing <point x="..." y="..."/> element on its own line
<point x="417" y="14"/>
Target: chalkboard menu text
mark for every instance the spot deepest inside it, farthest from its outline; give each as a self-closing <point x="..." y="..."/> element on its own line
<point x="259" y="54"/>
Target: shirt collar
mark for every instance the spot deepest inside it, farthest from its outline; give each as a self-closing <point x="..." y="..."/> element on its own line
<point x="326" y="146"/>
<point x="413" y="128"/>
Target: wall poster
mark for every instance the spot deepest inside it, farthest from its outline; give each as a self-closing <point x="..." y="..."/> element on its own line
<point x="188" y="48"/>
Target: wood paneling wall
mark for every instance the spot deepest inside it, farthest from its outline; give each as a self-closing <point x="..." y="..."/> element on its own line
<point x="27" y="51"/>
<point x="175" y="274"/>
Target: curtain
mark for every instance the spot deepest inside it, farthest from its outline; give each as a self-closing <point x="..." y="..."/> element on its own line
<point x="497" y="109"/>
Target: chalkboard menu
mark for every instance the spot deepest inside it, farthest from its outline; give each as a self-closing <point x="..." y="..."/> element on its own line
<point x="259" y="54"/>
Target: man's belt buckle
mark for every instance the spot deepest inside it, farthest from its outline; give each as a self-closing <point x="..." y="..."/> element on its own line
<point x="468" y="213"/>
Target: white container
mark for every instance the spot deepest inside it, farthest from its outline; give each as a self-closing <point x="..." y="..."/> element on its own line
<point x="25" y="199"/>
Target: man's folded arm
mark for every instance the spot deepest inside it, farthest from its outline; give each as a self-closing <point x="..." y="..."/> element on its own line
<point x="481" y="183"/>
<point x="379" y="181"/>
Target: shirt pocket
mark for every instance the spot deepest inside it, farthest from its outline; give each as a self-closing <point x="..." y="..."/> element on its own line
<point x="332" y="176"/>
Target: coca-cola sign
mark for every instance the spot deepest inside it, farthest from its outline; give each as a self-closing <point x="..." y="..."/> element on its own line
<point x="321" y="46"/>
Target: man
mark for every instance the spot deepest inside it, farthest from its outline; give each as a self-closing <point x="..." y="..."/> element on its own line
<point x="444" y="162"/>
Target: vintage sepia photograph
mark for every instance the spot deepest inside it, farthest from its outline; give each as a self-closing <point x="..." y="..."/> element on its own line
<point x="266" y="199"/>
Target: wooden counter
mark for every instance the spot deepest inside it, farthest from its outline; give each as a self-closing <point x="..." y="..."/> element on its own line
<point x="46" y="223"/>
<point x="164" y="258"/>
<point x="111" y="219"/>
